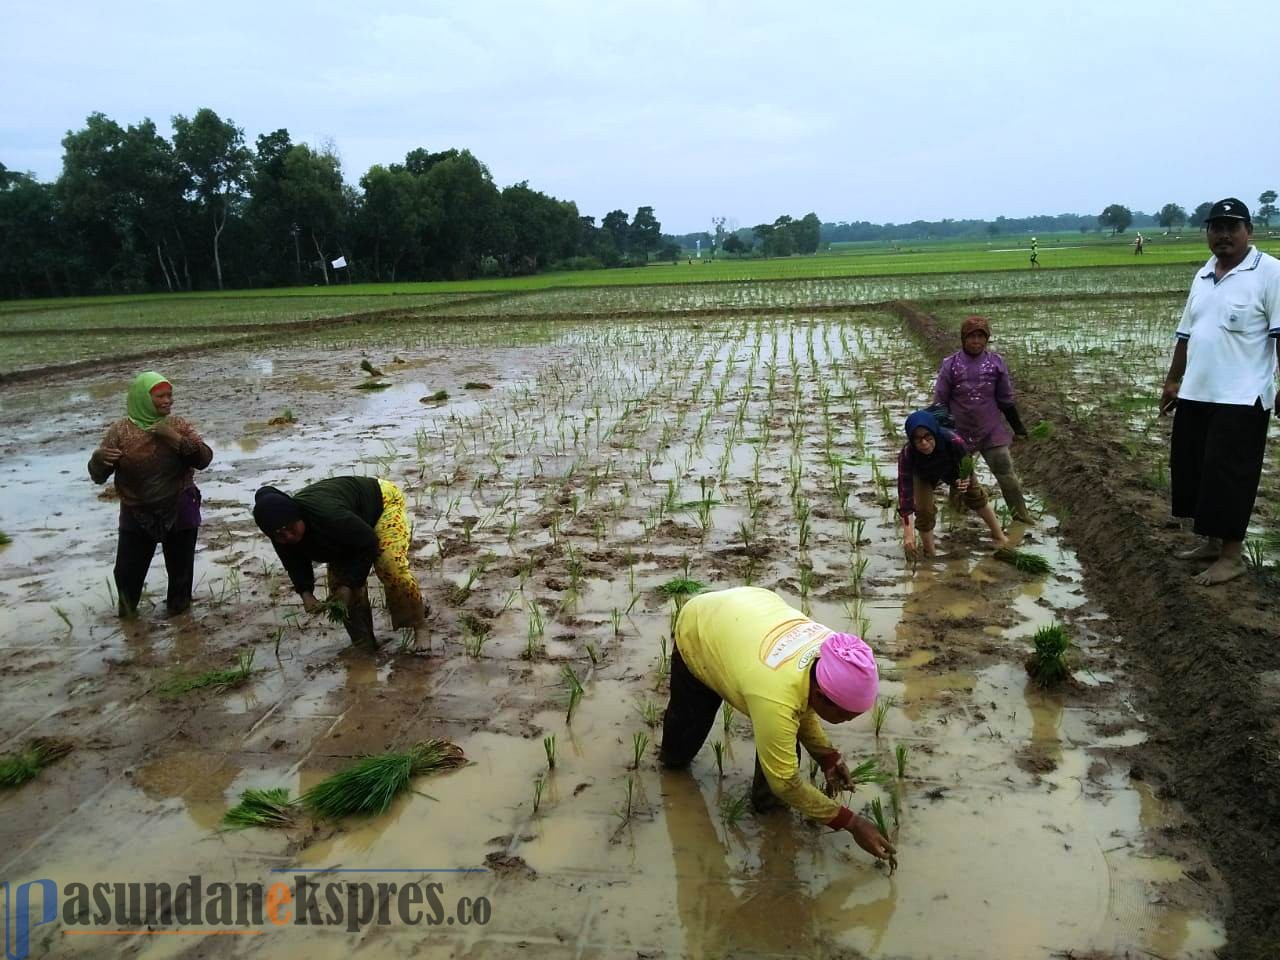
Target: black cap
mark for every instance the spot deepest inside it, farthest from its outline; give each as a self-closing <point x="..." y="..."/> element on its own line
<point x="1228" y="209"/>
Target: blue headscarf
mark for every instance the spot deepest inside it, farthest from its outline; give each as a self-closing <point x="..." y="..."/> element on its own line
<point x="941" y="464"/>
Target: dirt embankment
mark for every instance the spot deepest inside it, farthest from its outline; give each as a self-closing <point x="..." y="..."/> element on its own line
<point x="1201" y="651"/>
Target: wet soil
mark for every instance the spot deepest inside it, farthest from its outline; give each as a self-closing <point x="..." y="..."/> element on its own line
<point x="1204" y="650"/>
<point x="547" y="512"/>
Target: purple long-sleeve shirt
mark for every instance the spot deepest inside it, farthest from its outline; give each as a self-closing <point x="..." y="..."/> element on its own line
<point x="974" y="389"/>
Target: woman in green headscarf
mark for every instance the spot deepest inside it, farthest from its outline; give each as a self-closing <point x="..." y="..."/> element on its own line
<point x="153" y="456"/>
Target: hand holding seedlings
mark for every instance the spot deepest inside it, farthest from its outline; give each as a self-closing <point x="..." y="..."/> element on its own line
<point x="869" y="838"/>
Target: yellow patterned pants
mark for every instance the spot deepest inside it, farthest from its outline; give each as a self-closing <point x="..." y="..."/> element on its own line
<point x="404" y="598"/>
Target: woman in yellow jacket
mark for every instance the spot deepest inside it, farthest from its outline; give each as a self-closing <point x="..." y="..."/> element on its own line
<point x="747" y="646"/>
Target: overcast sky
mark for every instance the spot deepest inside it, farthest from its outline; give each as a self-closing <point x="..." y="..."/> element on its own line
<point x="890" y="111"/>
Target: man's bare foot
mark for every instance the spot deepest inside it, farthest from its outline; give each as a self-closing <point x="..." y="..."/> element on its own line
<point x="928" y="547"/>
<point x="1227" y="568"/>
<point x="1207" y="549"/>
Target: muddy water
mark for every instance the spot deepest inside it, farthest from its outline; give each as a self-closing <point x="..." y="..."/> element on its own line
<point x="566" y="495"/>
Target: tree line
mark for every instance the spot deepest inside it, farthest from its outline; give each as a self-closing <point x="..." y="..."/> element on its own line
<point x="133" y="211"/>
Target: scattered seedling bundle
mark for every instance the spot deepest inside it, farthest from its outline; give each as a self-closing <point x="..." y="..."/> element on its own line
<point x="218" y="680"/>
<point x="1048" y="664"/>
<point x="1023" y="561"/>
<point x="36" y="754"/>
<point x="369" y="785"/>
<point x="262" y="808"/>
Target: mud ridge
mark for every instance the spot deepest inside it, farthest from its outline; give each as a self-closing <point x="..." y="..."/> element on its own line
<point x="1216" y="736"/>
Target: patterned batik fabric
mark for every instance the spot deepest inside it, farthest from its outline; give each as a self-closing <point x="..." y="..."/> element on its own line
<point x="404" y="598"/>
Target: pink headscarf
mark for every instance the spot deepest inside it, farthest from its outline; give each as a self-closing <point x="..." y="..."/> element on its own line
<point x="847" y="672"/>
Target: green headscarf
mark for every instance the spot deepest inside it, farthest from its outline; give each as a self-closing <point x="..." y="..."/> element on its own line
<point x="141" y="408"/>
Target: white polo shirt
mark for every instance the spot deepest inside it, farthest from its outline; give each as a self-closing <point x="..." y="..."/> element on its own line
<point x="1229" y="325"/>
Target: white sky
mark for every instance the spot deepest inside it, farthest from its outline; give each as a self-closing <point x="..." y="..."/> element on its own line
<point x="857" y="111"/>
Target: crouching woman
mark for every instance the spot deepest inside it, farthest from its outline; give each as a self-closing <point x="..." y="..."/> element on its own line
<point x="351" y="524"/>
<point x="932" y="456"/>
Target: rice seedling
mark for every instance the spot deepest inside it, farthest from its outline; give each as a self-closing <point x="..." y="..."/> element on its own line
<point x="1048" y="663"/>
<point x="895" y="809"/>
<point x="476" y="385"/>
<point x="536" y="629"/>
<point x="549" y="747"/>
<point x="879" y="712"/>
<point x="283" y="419"/>
<point x="717" y="747"/>
<point x="628" y="801"/>
<point x="1255" y="550"/>
<point x="539" y="785"/>
<point x="876" y="811"/>
<point x="966" y="466"/>
<point x="475" y="634"/>
<point x="63" y="616"/>
<point x="1023" y="561"/>
<point x="726" y="719"/>
<point x="218" y="680"/>
<point x="900" y="755"/>
<point x="639" y="743"/>
<point x="649" y="712"/>
<point x="262" y="808"/>
<point x="37" y="753"/>
<point x="370" y="369"/>
<point x="370" y="784"/>
<point x="372" y="385"/>
<point x="664" y="658"/>
<point x="615" y="617"/>
<point x="868" y="771"/>
<point x="733" y="807"/>
<point x="593" y="652"/>
<point x="570" y="677"/>
<point x="437" y="397"/>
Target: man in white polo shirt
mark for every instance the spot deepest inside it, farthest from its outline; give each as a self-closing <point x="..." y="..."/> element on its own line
<point x="1222" y="384"/>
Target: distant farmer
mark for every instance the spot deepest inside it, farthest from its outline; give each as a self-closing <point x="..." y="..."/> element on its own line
<point x="1137" y="245"/>
<point x="974" y="384"/>
<point x="934" y="455"/>
<point x="769" y="661"/>
<point x="1035" y="253"/>
<point x="1221" y="385"/>
<point x="154" y="456"/>
<point x="351" y="524"/>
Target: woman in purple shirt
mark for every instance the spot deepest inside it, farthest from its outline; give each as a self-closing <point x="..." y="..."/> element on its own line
<point x="974" y="385"/>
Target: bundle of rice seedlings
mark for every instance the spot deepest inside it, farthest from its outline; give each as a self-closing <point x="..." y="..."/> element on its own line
<point x="1042" y="430"/>
<point x="1023" y="561"/>
<point x="36" y="754"/>
<point x="335" y="610"/>
<point x="370" y="369"/>
<point x="5" y="539"/>
<point x="876" y="812"/>
<point x="437" y="397"/>
<point x="879" y="712"/>
<point x="370" y="784"/>
<point x="733" y="807"/>
<point x="966" y="466"/>
<point x="219" y="680"/>
<point x="681" y="587"/>
<point x="1048" y="661"/>
<point x="262" y="808"/>
<point x="476" y="385"/>
<point x="372" y="385"/>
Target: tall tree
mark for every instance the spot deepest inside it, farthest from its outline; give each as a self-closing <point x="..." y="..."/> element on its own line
<point x="312" y="193"/>
<point x="1171" y="215"/>
<point x="808" y="233"/>
<point x="216" y="163"/>
<point x="1201" y="211"/>
<point x="1267" y="207"/>
<point x="392" y="212"/>
<point x="646" y="232"/>
<point x="1116" y="217"/>
<point x="464" y="214"/>
<point x="616" y="226"/>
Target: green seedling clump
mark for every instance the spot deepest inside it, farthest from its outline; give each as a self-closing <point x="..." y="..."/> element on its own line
<point x="474" y="385"/>
<point x="966" y="466"/>
<point x="370" y="369"/>
<point x="373" y="385"/>
<point x="1042" y="430"/>
<point x="437" y="397"/>
<point x="369" y="785"/>
<point x="1048" y="664"/>
<point x="680" y="587"/>
<point x="219" y="680"/>
<point x="262" y="808"/>
<point x="1023" y="561"/>
<point x="5" y="539"/>
<point x="36" y="754"/>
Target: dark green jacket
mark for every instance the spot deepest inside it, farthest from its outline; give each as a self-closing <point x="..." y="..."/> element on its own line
<point x="340" y="514"/>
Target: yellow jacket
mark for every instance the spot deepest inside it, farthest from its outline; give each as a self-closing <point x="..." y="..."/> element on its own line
<point x="754" y="650"/>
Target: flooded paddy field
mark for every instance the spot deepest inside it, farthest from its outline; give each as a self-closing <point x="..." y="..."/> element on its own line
<point x="587" y="464"/>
